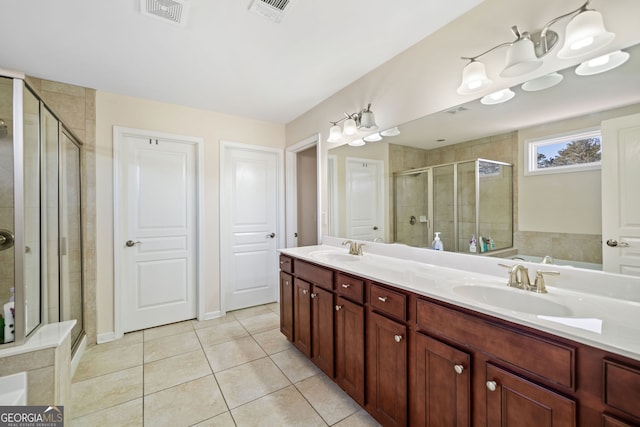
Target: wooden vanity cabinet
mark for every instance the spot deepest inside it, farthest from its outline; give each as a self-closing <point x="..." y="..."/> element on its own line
<point x="512" y="401"/>
<point x="387" y="352"/>
<point x="313" y="314"/>
<point x="302" y="316"/>
<point x="350" y="348"/>
<point x="412" y="360"/>
<point x="286" y="305"/>
<point x="386" y="370"/>
<point x="350" y="338"/>
<point x="441" y="384"/>
<point x="286" y="296"/>
<point x="322" y="334"/>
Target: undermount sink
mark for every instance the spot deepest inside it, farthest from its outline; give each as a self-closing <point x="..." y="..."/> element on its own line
<point x="334" y="256"/>
<point x="513" y="299"/>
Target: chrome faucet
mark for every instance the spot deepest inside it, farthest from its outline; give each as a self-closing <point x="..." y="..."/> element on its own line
<point x="519" y="278"/>
<point x="355" y="248"/>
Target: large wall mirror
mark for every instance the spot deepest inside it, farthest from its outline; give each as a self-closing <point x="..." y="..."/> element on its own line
<point x="556" y="215"/>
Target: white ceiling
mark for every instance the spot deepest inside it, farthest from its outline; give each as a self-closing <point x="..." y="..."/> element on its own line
<point x="225" y="58"/>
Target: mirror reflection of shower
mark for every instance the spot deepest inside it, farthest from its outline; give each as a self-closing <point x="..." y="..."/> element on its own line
<point x="4" y="129"/>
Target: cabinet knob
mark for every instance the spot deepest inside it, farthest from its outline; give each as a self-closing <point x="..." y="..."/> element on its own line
<point x="459" y="369"/>
<point x="314" y="295"/>
<point x="345" y="285"/>
<point x="492" y="385"/>
<point x="383" y="299"/>
<point x="398" y="338"/>
<point x="286" y="282"/>
<point x="304" y="291"/>
<point x="338" y="307"/>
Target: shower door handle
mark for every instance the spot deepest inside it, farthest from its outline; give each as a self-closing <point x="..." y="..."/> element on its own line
<point x="131" y="243"/>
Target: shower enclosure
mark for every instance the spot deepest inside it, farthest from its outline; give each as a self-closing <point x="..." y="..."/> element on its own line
<point x="460" y="200"/>
<point x="40" y="217"/>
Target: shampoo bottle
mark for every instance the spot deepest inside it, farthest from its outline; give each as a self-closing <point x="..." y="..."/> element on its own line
<point x="437" y="243"/>
<point x="473" y="244"/>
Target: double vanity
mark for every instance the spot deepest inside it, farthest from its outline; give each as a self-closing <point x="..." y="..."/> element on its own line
<point x="425" y="338"/>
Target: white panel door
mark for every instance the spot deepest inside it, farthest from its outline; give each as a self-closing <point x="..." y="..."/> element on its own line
<point x="364" y="195"/>
<point x="158" y="232"/>
<point x="620" y="200"/>
<point x="249" y="225"/>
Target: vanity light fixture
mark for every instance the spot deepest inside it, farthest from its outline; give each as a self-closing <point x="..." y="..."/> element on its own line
<point x="351" y="124"/>
<point x="602" y="63"/>
<point x="498" y="97"/>
<point x="542" y="82"/>
<point x="374" y="137"/>
<point x="356" y="143"/>
<point x="394" y="131"/>
<point x="584" y="34"/>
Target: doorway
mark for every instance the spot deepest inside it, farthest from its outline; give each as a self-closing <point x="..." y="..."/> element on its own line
<point x="303" y="192"/>
<point x="157" y="220"/>
<point x="251" y="202"/>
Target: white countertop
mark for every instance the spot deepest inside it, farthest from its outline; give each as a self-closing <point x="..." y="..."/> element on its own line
<point x="602" y="310"/>
<point x="47" y="336"/>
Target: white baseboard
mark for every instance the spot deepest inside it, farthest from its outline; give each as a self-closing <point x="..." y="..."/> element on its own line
<point x="106" y="337"/>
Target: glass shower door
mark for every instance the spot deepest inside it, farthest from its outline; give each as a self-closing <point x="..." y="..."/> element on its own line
<point x="71" y="299"/>
<point x="412" y="226"/>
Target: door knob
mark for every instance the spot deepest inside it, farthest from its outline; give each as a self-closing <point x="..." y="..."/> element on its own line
<point x="375" y="227"/>
<point x="131" y="243"/>
<point x="613" y="243"/>
<point x="271" y="236"/>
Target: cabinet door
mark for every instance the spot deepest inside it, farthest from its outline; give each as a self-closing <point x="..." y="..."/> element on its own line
<point x="442" y="381"/>
<point x="387" y="370"/>
<point x="322" y="329"/>
<point x="350" y="348"/>
<point x="286" y="305"/>
<point x="514" y="401"/>
<point x="302" y="316"/>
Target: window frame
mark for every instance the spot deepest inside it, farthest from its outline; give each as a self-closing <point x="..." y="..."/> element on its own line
<point x="531" y="152"/>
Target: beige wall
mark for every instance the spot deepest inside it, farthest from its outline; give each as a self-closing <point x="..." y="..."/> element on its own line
<point x="576" y="195"/>
<point x="117" y="110"/>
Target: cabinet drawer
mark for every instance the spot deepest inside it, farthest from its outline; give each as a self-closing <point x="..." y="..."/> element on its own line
<point x="547" y="359"/>
<point x="622" y="387"/>
<point x="350" y="287"/>
<point x="387" y="301"/>
<point x="314" y="274"/>
<point x="286" y="264"/>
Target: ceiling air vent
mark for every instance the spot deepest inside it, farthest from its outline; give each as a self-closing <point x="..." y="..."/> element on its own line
<point x="272" y="9"/>
<point x="172" y="11"/>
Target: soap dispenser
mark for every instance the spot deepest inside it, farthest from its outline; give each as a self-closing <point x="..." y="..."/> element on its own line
<point x="437" y="243"/>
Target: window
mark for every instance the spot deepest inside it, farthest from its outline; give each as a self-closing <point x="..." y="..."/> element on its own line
<point x="570" y="152"/>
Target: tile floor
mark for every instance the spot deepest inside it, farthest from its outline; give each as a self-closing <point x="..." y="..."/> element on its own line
<point x="237" y="370"/>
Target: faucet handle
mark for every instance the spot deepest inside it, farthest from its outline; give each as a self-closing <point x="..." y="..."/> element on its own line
<point x="359" y="250"/>
<point x="539" y="285"/>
